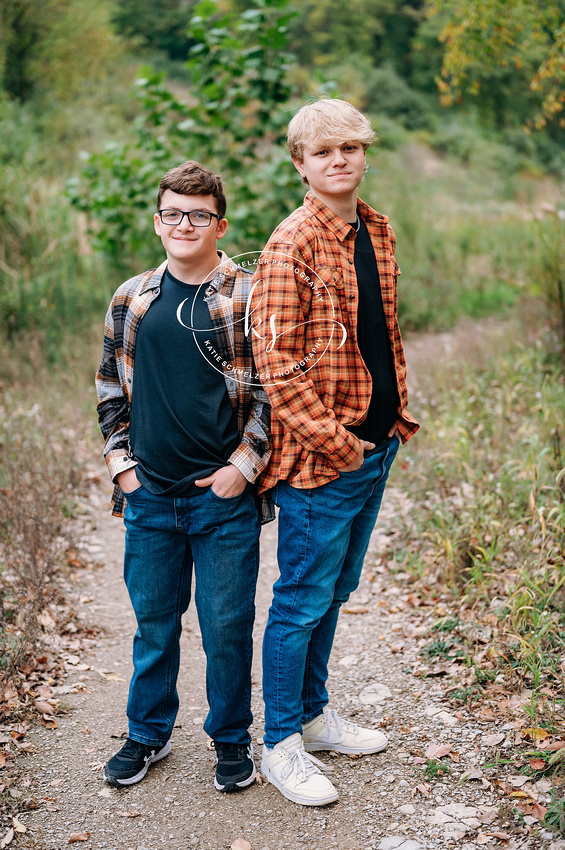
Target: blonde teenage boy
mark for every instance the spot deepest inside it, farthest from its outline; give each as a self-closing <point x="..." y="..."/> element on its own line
<point x="185" y="440"/>
<point x="327" y="345"/>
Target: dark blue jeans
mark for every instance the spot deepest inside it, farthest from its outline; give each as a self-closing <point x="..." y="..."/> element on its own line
<point x="166" y="540"/>
<point x="323" y="538"/>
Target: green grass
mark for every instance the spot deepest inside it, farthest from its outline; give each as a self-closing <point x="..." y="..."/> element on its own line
<point x="485" y="479"/>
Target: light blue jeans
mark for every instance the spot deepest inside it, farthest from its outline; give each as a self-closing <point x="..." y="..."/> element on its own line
<point x="323" y="539"/>
<point x="166" y="540"/>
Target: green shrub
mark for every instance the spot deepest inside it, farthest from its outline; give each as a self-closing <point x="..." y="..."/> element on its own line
<point x="388" y="93"/>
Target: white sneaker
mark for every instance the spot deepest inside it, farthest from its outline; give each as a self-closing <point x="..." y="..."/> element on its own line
<point x="328" y="731"/>
<point x="297" y="774"/>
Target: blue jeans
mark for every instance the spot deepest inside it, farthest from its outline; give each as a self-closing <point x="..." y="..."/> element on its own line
<point x="323" y="538"/>
<point x="166" y="539"/>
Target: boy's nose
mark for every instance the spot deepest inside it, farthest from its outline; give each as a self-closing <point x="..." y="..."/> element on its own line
<point x="338" y="157"/>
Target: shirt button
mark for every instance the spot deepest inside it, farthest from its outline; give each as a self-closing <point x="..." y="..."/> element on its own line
<point x="124" y="458"/>
<point x="350" y="261"/>
<point x="351" y="297"/>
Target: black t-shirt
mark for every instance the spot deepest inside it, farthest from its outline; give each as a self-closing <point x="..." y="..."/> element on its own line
<point x="374" y="344"/>
<point x="182" y="422"/>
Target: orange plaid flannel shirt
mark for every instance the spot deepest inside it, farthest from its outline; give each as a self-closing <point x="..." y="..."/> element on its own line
<point x="314" y="320"/>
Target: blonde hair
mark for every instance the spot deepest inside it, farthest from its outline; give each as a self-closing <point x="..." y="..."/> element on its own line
<point x="328" y="120"/>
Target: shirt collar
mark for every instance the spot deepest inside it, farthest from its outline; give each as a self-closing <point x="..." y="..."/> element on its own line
<point x="333" y="222"/>
<point x="221" y="282"/>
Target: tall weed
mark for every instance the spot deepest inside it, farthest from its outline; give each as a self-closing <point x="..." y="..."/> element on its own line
<point x="486" y="482"/>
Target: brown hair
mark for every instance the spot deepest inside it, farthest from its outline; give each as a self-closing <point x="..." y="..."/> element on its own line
<point x="191" y="178"/>
<point x="328" y="120"/>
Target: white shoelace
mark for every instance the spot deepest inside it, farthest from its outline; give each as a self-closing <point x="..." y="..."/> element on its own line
<point x="302" y="764"/>
<point x="340" y="725"/>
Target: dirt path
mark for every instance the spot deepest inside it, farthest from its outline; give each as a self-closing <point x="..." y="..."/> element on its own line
<point x="385" y="801"/>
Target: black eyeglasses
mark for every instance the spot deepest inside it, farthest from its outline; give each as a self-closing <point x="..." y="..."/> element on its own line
<point x="198" y="218"/>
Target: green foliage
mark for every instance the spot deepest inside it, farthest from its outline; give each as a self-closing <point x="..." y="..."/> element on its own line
<point x="49" y="279"/>
<point x="555" y="815"/>
<point x="234" y="123"/>
<point x="159" y="26"/>
<point x="433" y="769"/>
<point x="504" y="39"/>
<point x="327" y="32"/>
<point x="487" y="491"/>
<point x="55" y="47"/>
<point x="388" y="93"/>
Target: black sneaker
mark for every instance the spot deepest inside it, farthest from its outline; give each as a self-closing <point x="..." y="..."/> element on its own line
<point x="234" y="766"/>
<point x="132" y="762"/>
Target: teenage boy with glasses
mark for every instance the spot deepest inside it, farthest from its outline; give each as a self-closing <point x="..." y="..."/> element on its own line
<point x="335" y="375"/>
<point x="184" y="443"/>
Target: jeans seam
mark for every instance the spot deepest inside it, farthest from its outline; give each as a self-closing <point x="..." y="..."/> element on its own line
<point x="291" y="607"/>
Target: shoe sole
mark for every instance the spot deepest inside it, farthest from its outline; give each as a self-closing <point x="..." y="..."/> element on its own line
<point x="132" y="780"/>
<point x="295" y="798"/>
<point x="313" y="747"/>
<point x="230" y="785"/>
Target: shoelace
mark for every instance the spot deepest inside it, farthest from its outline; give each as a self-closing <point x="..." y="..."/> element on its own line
<point x="302" y="764"/>
<point x="340" y="725"/>
<point x="232" y="752"/>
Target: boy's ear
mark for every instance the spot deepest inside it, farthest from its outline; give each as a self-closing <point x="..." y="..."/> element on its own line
<point x="222" y="227"/>
<point x="299" y="165"/>
<point x="156" y="224"/>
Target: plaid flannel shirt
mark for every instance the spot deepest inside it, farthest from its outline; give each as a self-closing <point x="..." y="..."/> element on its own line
<point x="227" y="296"/>
<point x="312" y="408"/>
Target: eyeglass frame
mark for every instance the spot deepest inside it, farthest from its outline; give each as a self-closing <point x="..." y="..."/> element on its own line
<point x="187" y="214"/>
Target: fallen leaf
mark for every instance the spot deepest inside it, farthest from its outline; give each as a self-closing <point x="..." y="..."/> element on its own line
<point x="423" y="788"/>
<point x="240" y="844"/>
<point x="78" y="836"/>
<point x="474" y="773"/>
<point x="115" y="677"/>
<point x="554" y="746"/>
<point x="502" y="836"/>
<point x="518" y="781"/>
<point x="355" y="609"/>
<point x="487" y="814"/>
<point x="413" y="600"/>
<point x="538" y="811"/>
<point x="129" y="814"/>
<point x="483" y="839"/>
<point x="537" y="764"/>
<point x="260" y="779"/>
<point x="437" y="751"/>
<point x="18" y="827"/>
<point x="2" y="760"/>
<point x="534" y="734"/>
<point x="493" y="740"/>
<point x="44" y="708"/>
<point x="7" y="838"/>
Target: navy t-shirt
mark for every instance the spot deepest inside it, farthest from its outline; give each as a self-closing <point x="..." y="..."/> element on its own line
<point x="183" y="425"/>
<point x="374" y="344"/>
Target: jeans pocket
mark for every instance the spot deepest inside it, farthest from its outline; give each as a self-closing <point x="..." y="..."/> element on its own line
<point x="137" y="491"/>
<point x="228" y="498"/>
